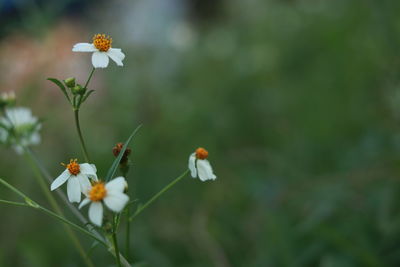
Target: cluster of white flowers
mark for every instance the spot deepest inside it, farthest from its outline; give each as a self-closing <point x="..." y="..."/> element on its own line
<point x="19" y="128"/>
<point x="82" y="179"/>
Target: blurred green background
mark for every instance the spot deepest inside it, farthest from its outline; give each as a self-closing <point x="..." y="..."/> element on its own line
<point x="297" y="101"/>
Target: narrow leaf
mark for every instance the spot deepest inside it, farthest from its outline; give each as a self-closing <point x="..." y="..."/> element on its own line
<point x="61" y="86"/>
<point x="86" y="96"/>
<point x="116" y="162"/>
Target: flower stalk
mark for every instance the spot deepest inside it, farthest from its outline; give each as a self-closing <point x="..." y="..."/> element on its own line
<point x="76" y="103"/>
<point x="156" y="196"/>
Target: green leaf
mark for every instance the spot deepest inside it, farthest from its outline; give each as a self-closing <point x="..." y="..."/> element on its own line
<point x="116" y="162"/>
<point x="61" y="86"/>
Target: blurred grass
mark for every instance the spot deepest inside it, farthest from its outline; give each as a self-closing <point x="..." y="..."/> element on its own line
<point x="297" y="102"/>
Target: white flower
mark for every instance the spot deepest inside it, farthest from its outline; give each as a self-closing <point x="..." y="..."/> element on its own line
<point x="77" y="176"/>
<point x="19" y="128"/>
<point x="199" y="166"/>
<point x="101" y="48"/>
<point x="111" y="194"/>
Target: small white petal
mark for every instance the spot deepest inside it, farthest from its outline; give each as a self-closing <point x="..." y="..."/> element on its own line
<point x="116" y="55"/>
<point x="94" y="167"/>
<point x="205" y="171"/>
<point x="34" y="139"/>
<point x="192" y="166"/>
<point x="100" y="60"/>
<point x="116" y="201"/>
<point x="116" y="185"/>
<point x="84" y="47"/>
<point x="84" y="183"/>
<point x="60" y="180"/>
<point x="88" y="170"/>
<point x="84" y="202"/>
<point x="73" y="189"/>
<point x="96" y="213"/>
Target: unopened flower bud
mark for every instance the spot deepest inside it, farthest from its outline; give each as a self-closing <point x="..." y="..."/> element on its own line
<point x="78" y="90"/>
<point x="70" y="82"/>
<point x="117" y="149"/>
<point x="7" y="99"/>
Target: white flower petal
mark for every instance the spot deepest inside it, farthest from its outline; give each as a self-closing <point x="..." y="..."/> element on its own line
<point x="205" y="171"/>
<point x="94" y="167"/>
<point x="116" y="55"/>
<point x="73" y="189"/>
<point x="84" y="183"/>
<point x="60" y="180"/>
<point x="100" y="60"/>
<point x="84" y="47"/>
<point x="192" y="166"/>
<point x="84" y="202"/>
<point x="116" y="201"/>
<point x="116" y="185"/>
<point x="96" y="213"/>
<point x="34" y="139"/>
<point x="88" y="170"/>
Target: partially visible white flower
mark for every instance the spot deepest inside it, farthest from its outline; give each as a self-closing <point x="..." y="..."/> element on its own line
<point x="111" y="194"/>
<point x="19" y="128"/>
<point x="101" y="48"/>
<point x="199" y="166"/>
<point x="77" y="176"/>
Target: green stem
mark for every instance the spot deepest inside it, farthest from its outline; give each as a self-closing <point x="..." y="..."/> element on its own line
<point x="89" y="78"/>
<point x="78" y="128"/>
<point x="33" y="204"/>
<point x="54" y="205"/>
<point x="115" y="241"/>
<point x="77" y="124"/>
<point x="14" y="203"/>
<point x="124" y="170"/>
<point x="128" y="232"/>
<point x="156" y="196"/>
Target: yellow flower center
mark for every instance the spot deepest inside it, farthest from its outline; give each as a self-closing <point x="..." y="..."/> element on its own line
<point x="98" y="192"/>
<point x="201" y="153"/>
<point x="102" y="42"/>
<point x="73" y="167"/>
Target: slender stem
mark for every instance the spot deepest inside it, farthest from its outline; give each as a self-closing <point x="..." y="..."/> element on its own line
<point x="40" y="179"/>
<point x="156" y="196"/>
<point x="73" y="225"/>
<point x="124" y="170"/>
<point x="77" y="124"/>
<point x="78" y="128"/>
<point x="14" y="203"/>
<point x="128" y="233"/>
<point x="33" y="204"/>
<point x="115" y="241"/>
<point x="89" y="78"/>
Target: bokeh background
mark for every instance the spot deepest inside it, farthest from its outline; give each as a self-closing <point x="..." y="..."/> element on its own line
<point x="297" y="101"/>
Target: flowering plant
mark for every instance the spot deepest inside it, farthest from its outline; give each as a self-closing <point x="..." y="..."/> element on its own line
<point x="108" y="197"/>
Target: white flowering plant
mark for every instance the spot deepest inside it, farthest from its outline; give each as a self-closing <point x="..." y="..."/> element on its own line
<point x="107" y="197"/>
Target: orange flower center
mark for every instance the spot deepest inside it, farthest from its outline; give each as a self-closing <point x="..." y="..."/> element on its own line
<point x="98" y="192"/>
<point x="201" y="153"/>
<point x="73" y="167"/>
<point x="102" y="42"/>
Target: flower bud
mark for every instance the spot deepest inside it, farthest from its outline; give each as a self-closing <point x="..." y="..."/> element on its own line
<point x="70" y="82"/>
<point x="7" y="99"/>
<point x="117" y="149"/>
<point x="78" y="90"/>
